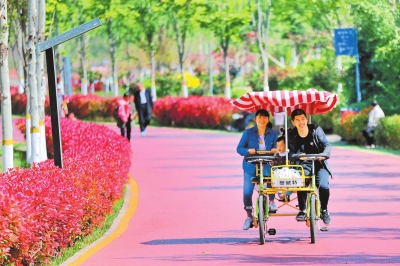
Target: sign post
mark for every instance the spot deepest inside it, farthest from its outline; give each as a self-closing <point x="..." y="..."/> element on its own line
<point x="47" y="46"/>
<point x="345" y="43"/>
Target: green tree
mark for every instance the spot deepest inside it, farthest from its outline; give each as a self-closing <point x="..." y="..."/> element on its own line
<point x="147" y="18"/>
<point x="226" y="20"/>
<point x="182" y="16"/>
<point x="114" y="14"/>
<point x="6" y="118"/>
<point x="378" y="44"/>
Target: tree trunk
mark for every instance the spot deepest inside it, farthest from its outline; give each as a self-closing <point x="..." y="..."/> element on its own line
<point x="33" y="110"/>
<point x="41" y="85"/>
<point x="262" y="39"/>
<point x="266" y="72"/>
<point x="180" y="41"/>
<point x="60" y="70"/>
<point x="20" y="59"/>
<point x="6" y="118"/>
<point x="111" y="41"/>
<point x="185" y="93"/>
<point x="294" y="58"/>
<point x="227" y="76"/>
<point x="114" y="71"/>
<point x="153" y="75"/>
<point x="28" y="116"/>
<point x="82" y="40"/>
<point x="210" y="65"/>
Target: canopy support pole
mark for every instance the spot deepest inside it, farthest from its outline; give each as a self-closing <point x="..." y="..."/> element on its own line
<point x="286" y="138"/>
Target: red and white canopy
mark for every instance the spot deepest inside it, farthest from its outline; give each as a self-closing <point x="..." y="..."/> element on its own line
<point x="311" y="101"/>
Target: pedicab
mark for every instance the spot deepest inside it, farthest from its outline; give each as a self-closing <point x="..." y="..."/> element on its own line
<point x="286" y="177"/>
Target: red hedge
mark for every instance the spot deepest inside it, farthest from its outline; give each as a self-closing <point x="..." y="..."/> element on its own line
<point x="194" y="111"/>
<point x="44" y="209"/>
<point x="84" y="107"/>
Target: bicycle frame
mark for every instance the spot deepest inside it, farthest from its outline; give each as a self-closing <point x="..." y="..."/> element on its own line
<point x="310" y="189"/>
<point x="313" y="191"/>
<point x="261" y="191"/>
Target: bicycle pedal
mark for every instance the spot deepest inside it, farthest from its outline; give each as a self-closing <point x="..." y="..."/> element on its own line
<point x="272" y="231"/>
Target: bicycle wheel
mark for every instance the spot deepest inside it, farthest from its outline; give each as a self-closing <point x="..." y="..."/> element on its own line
<point x="262" y="223"/>
<point x="312" y="218"/>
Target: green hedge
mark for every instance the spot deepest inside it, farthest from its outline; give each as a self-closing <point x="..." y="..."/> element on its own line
<point x="351" y="125"/>
<point x="387" y="133"/>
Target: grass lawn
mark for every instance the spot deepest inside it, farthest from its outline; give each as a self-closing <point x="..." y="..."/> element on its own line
<point x="19" y="155"/>
<point x="377" y="150"/>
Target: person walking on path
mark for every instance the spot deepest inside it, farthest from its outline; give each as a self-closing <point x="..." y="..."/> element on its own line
<point x="125" y="115"/>
<point x="374" y="116"/>
<point x="259" y="137"/>
<point x="144" y="107"/>
<point x="310" y="139"/>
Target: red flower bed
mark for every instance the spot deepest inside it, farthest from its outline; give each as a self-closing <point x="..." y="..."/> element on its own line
<point x="91" y="106"/>
<point x="351" y="125"/>
<point x="44" y="209"/>
<point x="194" y="111"/>
<point x="84" y="107"/>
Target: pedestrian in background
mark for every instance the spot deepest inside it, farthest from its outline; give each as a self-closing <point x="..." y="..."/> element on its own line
<point x="144" y="107"/>
<point x="125" y="115"/>
<point x="374" y="116"/>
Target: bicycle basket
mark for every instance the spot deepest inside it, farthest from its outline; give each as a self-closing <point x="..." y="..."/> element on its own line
<point x="287" y="176"/>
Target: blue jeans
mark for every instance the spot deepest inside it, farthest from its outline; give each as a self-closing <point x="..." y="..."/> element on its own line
<point x="322" y="182"/>
<point x="248" y="189"/>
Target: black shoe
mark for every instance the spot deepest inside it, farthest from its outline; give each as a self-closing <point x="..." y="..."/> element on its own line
<point x="326" y="218"/>
<point x="301" y="216"/>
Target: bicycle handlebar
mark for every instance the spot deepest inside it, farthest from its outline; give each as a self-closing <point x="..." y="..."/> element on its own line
<point x="312" y="157"/>
<point x="257" y="158"/>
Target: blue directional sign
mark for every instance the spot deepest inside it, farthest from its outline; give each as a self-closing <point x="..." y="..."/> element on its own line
<point x="346" y="42"/>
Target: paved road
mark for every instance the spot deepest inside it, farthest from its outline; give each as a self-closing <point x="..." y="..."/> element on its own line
<point x="190" y="209"/>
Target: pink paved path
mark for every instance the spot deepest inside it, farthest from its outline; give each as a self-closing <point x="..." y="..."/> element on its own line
<point x="190" y="209"/>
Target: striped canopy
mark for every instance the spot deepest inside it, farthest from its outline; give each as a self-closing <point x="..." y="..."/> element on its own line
<point x="311" y="101"/>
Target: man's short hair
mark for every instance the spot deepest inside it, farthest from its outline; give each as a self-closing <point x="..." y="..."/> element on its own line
<point x="374" y="103"/>
<point x="298" y="112"/>
<point x="127" y="94"/>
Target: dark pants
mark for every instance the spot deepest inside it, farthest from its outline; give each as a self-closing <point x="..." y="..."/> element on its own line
<point x="127" y="126"/>
<point x="144" y="117"/>
<point x="369" y="135"/>
<point x="322" y="182"/>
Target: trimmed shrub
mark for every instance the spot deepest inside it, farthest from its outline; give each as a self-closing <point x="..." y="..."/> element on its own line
<point x="193" y="112"/>
<point x="44" y="209"/>
<point x="351" y="125"/>
<point x="387" y="132"/>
